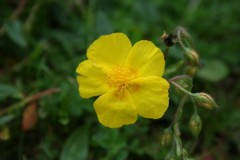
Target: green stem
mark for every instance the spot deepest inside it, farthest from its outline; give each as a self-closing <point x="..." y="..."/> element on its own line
<point x="180" y="36"/>
<point x="181" y="88"/>
<point x="179" y="110"/>
<point x="176" y="144"/>
<point x="194" y="106"/>
<point x="179" y="77"/>
<point x="195" y="142"/>
<point x="183" y="35"/>
<point x="166" y="53"/>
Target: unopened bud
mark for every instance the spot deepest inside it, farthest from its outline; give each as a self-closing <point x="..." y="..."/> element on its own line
<point x="185" y="83"/>
<point x="195" y="125"/>
<point x="190" y="70"/>
<point x="166" y="138"/>
<point x="204" y="100"/>
<point x="192" y="57"/>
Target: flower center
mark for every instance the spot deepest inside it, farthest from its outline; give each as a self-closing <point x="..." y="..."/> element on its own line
<point x="119" y="77"/>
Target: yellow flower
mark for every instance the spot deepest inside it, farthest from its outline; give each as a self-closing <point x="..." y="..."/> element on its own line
<point x="126" y="78"/>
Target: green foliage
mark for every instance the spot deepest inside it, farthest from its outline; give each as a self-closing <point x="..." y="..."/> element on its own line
<point x="214" y="71"/>
<point x="7" y="91"/>
<point x="42" y="44"/>
<point x="76" y="146"/>
<point x="14" y="31"/>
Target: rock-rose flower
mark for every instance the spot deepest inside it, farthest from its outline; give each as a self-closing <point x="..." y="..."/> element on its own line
<point x="127" y="79"/>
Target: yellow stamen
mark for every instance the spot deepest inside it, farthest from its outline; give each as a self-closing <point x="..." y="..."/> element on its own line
<point x="119" y="78"/>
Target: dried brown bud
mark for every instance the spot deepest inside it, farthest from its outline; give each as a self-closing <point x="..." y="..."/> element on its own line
<point x="204" y="100"/>
<point x="169" y="39"/>
<point x="30" y="116"/>
<point x="195" y="125"/>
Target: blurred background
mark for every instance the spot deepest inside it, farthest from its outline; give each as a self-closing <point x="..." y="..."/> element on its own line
<point x="42" y="42"/>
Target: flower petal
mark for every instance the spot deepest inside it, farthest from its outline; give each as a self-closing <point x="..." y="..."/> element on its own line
<point x="109" y="50"/>
<point x="115" y="111"/>
<point x="151" y="98"/>
<point x="92" y="81"/>
<point x="146" y="59"/>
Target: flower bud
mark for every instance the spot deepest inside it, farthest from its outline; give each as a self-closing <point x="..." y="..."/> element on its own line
<point x="192" y="57"/>
<point x="204" y="100"/>
<point x="185" y="83"/>
<point x="195" y="125"/>
<point x="166" y="138"/>
<point x="190" y="70"/>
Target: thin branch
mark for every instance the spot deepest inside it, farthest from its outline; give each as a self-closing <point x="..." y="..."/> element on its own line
<point x="19" y="9"/>
<point x="29" y="99"/>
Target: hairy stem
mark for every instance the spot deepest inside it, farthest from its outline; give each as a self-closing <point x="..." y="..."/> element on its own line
<point x="181" y="88"/>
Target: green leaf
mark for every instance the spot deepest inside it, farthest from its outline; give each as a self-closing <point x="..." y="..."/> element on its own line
<point x="15" y="32"/>
<point x="213" y="71"/>
<point x="6" y="118"/>
<point x="173" y="68"/>
<point x="108" y="139"/>
<point x="8" y="90"/>
<point x="71" y="103"/>
<point x="76" y="146"/>
<point x="122" y="155"/>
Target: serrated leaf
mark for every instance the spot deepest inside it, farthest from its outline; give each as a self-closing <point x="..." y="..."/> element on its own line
<point x="76" y="146"/>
